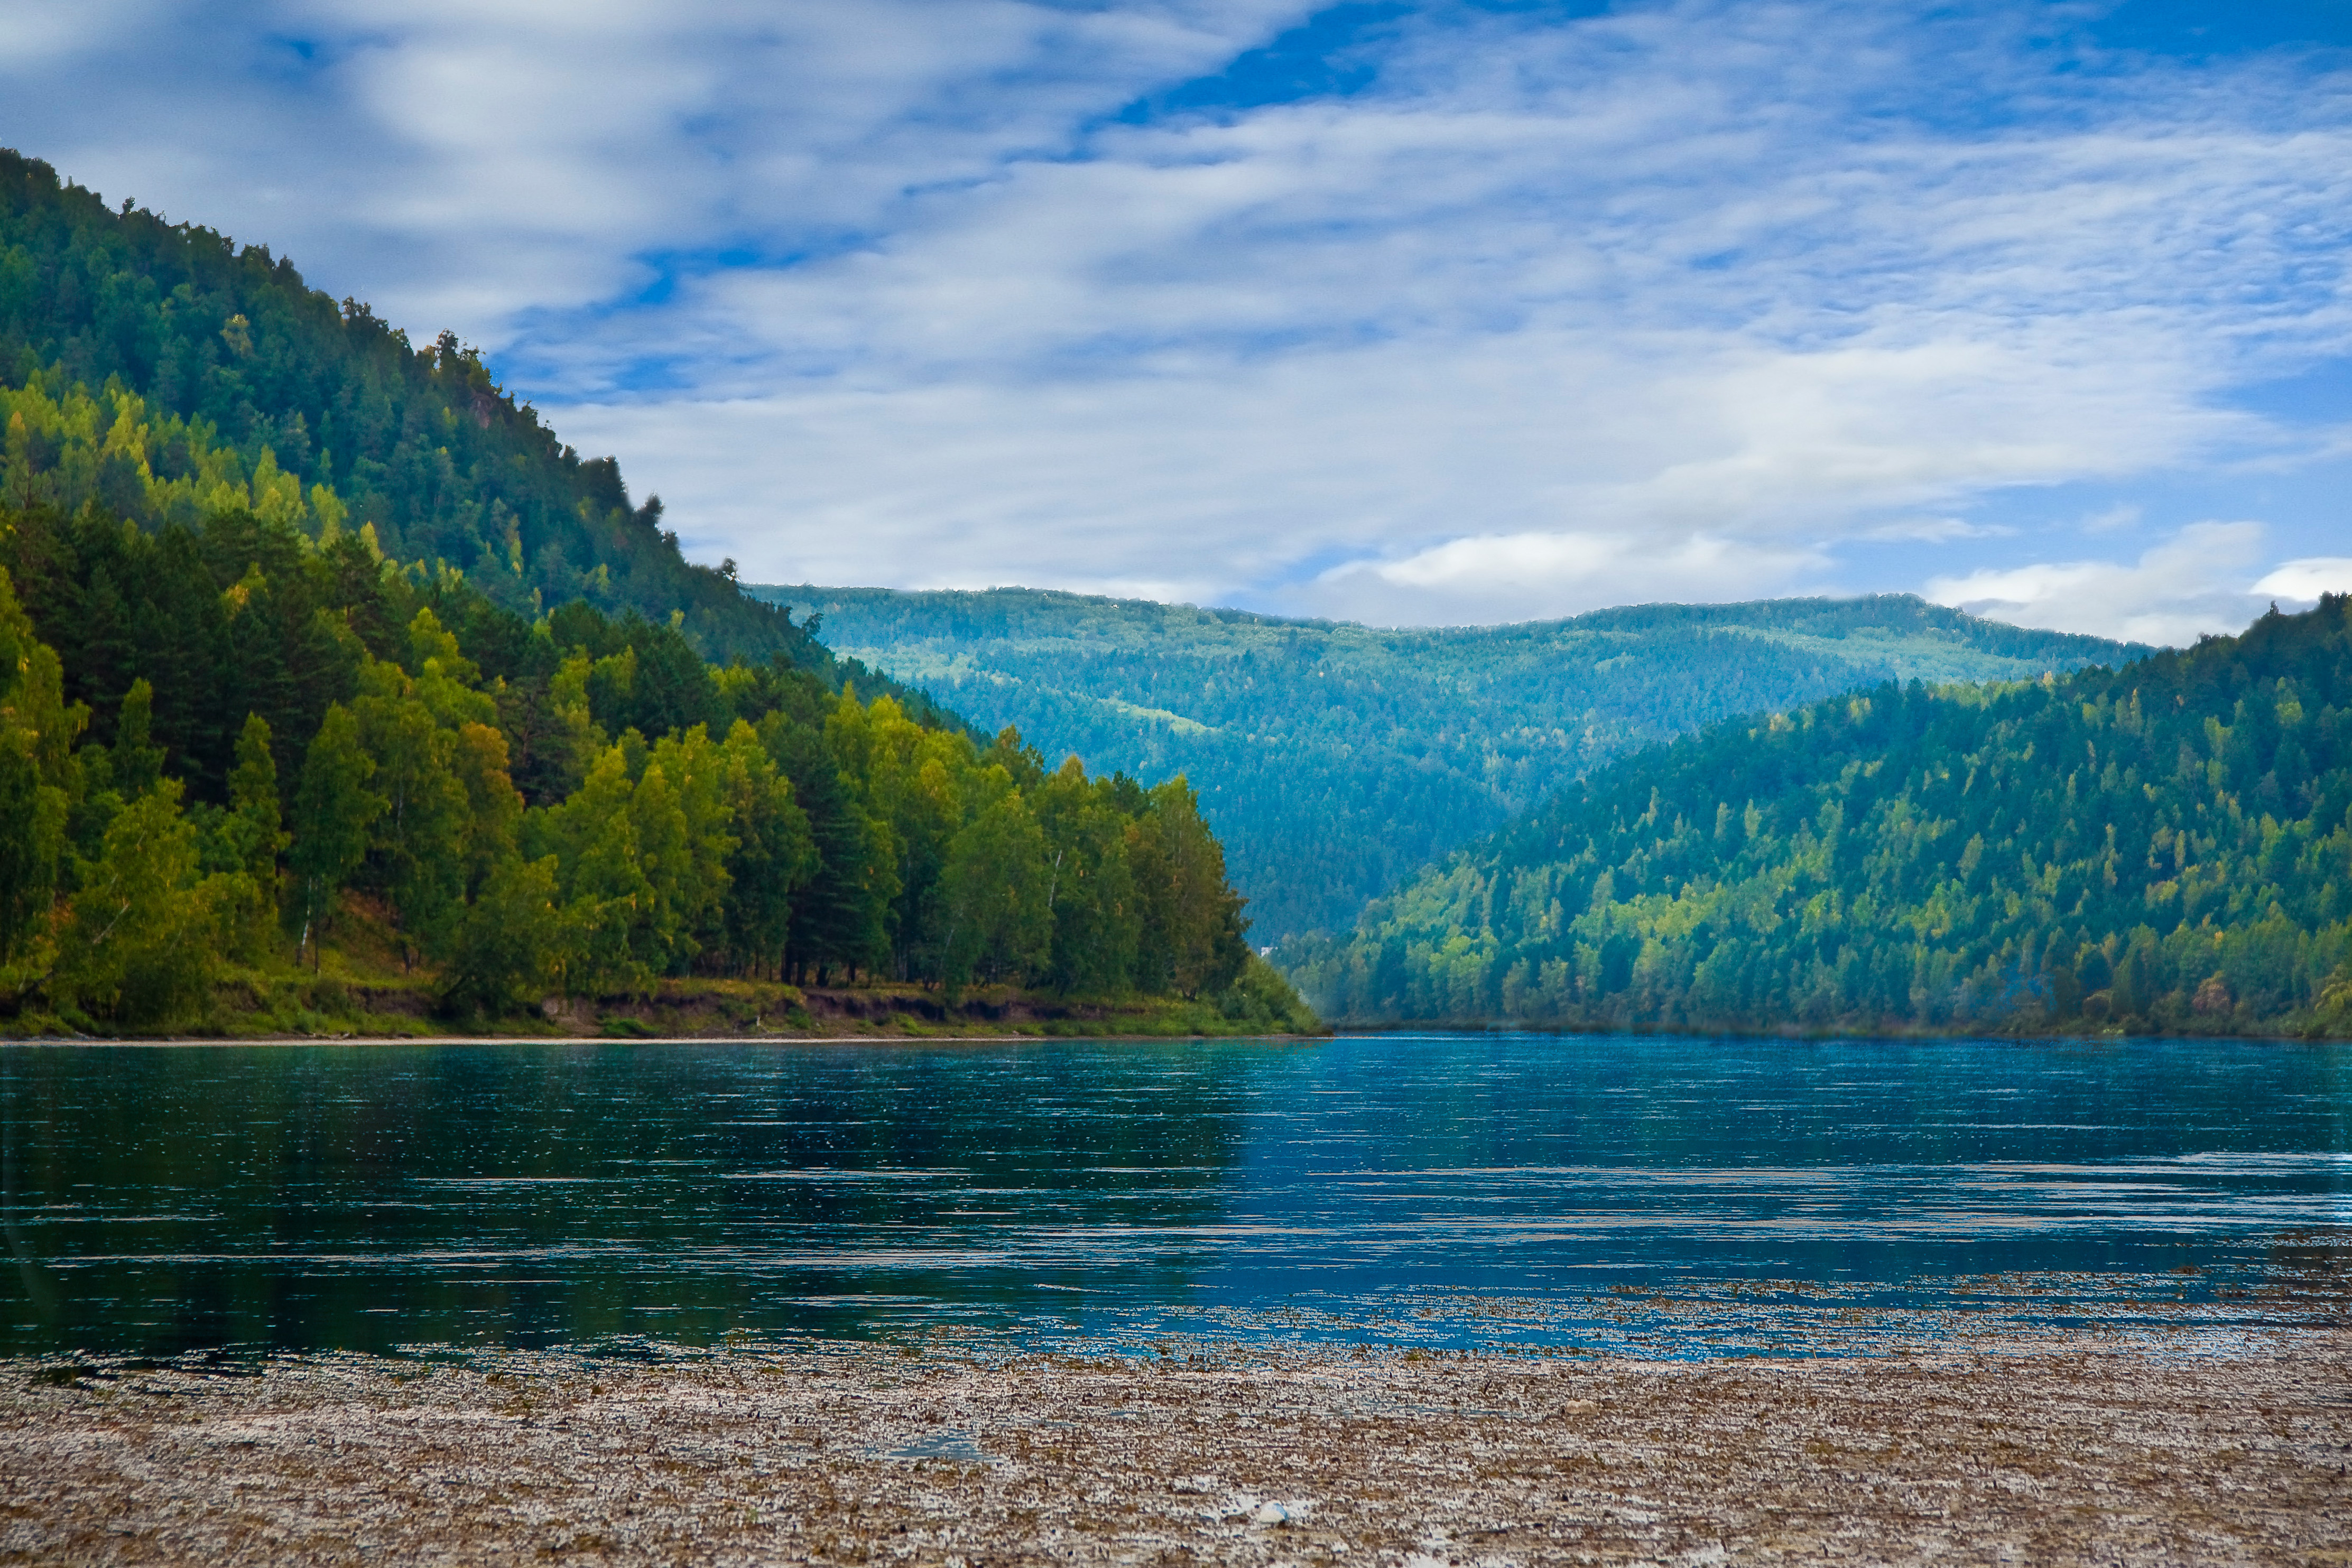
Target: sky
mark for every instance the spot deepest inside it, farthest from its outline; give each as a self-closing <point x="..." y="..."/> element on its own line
<point x="1408" y="313"/>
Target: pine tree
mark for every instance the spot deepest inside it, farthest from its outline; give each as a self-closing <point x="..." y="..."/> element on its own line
<point x="253" y="799"/>
<point x="138" y="762"/>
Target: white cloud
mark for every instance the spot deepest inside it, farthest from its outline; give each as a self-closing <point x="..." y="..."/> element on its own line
<point x="1218" y="354"/>
<point x="2179" y="590"/>
<point x="478" y="164"/>
<point x="1930" y="531"/>
<point x="2307" y="578"/>
<point x="1669" y="302"/>
<point x="43" y="33"/>
<point x="1528" y="577"/>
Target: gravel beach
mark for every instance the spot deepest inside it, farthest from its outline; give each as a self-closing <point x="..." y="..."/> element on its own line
<point x="2182" y="1449"/>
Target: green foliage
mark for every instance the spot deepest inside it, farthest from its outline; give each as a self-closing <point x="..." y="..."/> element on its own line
<point x="1091" y="885"/>
<point x="996" y="888"/>
<point x="226" y="385"/>
<point x="245" y="838"/>
<point x="509" y="942"/>
<point x="822" y="836"/>
<point x="2167" y="846"/>
<point x="334" y="810"/>
<point x="141" y="937"/>
<point x="38" y="780"/>
<point x="1189" y="935"/>
<point x="1337" y="761"/>
<point x="1263" y="1001"/>
<point x="156" y="375"/>
<point x="253" y="800"/>
<point x="138" y="761"/>
<point x="367" y="648"/>
<point x="774" y="854"/>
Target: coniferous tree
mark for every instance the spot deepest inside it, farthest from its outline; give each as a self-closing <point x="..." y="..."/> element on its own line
<point x="774" y="856"/>
<point x="138" y="761"/>
<point x="838" y="920"/>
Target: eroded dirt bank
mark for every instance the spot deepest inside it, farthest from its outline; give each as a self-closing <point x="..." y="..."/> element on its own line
<point x="2195" y="1452"/>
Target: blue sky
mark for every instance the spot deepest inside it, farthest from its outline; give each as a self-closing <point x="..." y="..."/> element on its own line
<point x="1410" y="313"/>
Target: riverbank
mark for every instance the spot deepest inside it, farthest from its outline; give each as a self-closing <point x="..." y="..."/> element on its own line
<point x="291" y="1005"/>
<point x="2179" y="1449"/>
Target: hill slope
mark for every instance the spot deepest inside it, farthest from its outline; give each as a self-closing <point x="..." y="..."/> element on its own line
<point x="1335" y="759"/>
<point x="163" y="374"/>
<point x="2165" y="846"/>
<point x="305" y="664"/>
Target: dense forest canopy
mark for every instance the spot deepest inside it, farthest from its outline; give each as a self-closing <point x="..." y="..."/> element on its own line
<point x="1337" y="761"/>
<point x="305" y="632"/>
<point x="575" y="805"/>
<point x="2164" y="846"/>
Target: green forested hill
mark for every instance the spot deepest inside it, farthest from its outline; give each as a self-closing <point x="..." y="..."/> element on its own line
<point x="508" y="809"/>
<point x="1336" y="760"/>
<point x="2167" y="846"/>
<point x="164" y="374"/>
<point x="318" y="652"/>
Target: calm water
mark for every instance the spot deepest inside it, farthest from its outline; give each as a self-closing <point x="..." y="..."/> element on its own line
<point x="1661" y="1195"/>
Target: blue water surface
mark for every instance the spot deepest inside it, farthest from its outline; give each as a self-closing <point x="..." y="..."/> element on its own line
<point x="1653" y="1194"/>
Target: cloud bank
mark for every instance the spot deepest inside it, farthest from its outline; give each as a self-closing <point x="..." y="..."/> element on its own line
<point x="1528" y="314"/>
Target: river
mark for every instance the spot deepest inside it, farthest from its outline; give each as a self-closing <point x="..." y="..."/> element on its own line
<point x="1651" y="1196"/>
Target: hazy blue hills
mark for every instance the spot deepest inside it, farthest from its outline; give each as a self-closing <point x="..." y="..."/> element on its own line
<point x="1336" y="760"/>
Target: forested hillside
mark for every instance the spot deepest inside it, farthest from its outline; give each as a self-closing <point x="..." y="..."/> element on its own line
<point x="2164" y="847"/>
<point x="317" y="650"/>
<point x="1336" y="760"/>
<point x="577" y="805"/>
<point x="165" y="374"/>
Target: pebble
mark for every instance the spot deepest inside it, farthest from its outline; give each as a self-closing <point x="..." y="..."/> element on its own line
<point x="2075" y="1450"/>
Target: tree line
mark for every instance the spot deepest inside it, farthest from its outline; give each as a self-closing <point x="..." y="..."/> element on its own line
<point x="233" y="744"/>
<point x="2164" y="846"/>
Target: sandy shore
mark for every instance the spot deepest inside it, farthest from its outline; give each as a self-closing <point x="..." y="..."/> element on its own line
<point x="2197" y="1450"/>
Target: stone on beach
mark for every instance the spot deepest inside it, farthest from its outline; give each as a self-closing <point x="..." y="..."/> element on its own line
<point x="2159" y="1448"/>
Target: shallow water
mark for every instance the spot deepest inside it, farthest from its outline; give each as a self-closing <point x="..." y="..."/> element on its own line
<point x="1652" y="1195"/>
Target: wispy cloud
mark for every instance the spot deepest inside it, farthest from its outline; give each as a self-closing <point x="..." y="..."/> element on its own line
<point x="1644" y="279"/>
<point x="1505" y="577"/>
<point x="2197" y="581"/>
<point x="1692" y="299"/>
<point x="494" y="163"/>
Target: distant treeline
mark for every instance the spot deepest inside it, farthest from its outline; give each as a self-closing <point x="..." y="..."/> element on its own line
<point x="211" y="735"/>
<point x="2168" y="846"/>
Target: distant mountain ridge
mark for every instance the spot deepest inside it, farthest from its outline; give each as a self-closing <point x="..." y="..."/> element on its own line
<point x="1335" y="760"/>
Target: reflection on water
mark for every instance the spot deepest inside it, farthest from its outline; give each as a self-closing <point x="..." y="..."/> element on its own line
<point x="1660" y="1195"/>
